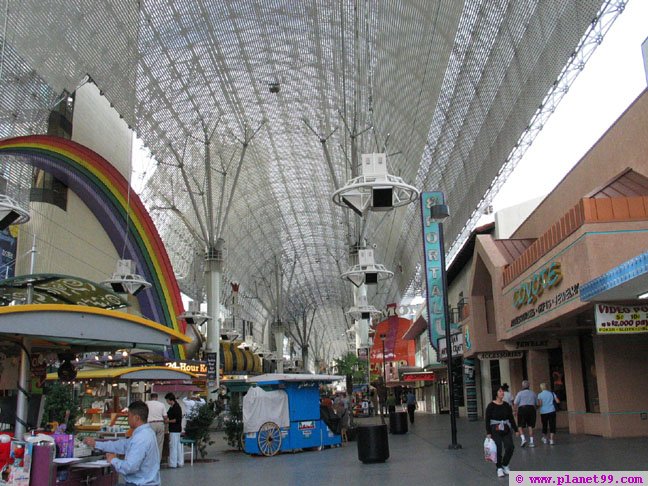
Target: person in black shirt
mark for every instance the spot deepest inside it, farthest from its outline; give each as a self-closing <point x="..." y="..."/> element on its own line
<point x="499" y="424"/>
<point x="176" y="454"/>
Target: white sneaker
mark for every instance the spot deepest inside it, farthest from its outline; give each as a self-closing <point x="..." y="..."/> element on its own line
<point x="544" y="440"/>
<point x="506" y="469"/>
<point x="551" y="442"/>
<point x="531" y="444"/>
<point x="500" y="472"/>
<point x="524" y="443"/>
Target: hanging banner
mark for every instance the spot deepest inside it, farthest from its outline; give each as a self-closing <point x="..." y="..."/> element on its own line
<point x="469" y="367"/>
<point x="8" y="245"/>
<point x="457" y="346"/>
<point x="621" y="319"/>
<point x="434" y="258"/>
<point x="212" y="368"/>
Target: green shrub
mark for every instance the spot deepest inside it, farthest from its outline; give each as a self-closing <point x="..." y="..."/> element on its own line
<point x="59" y="399"/>
<point x="234" y="426"/>
<point x="197" y="427"/>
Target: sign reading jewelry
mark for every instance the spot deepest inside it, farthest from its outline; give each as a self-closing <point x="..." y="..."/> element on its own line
<point x="616" y="319"/>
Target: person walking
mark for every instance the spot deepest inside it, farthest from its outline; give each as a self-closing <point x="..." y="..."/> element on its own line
<point x="157" y="417"/>
<point x="499" y="426"/>
<point x="546" y="401"/>
<point x="525" y="404"/>
<point x="412" y="405"/>
<point x="174" y="414"/>
<point x="141" y="462"/>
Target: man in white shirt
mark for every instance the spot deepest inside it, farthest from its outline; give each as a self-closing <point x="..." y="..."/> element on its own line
<point x="157" y="417"/>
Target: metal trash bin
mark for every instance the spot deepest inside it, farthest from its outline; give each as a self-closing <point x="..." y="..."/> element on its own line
<point x="373" y="443"/>
<point x="398" y="423"/>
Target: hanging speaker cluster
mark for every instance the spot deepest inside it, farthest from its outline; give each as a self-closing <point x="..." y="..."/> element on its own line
<point x="11" y="212"/>
<point x="67" y="371"/>
<point x="366" y="271"/>
<point x="375" y="189"/>
<point x="125" y="280"/>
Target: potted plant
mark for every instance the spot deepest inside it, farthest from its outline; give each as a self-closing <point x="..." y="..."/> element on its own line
<point x="197" y="428"/>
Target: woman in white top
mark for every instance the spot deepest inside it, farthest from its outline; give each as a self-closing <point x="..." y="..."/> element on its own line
<point x="546" y="402"/>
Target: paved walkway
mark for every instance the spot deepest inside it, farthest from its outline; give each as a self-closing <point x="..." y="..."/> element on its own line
<point x="419" y="457"/>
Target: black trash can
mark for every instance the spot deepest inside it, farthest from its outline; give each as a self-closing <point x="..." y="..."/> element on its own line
<point x="398" y="423"/>
<point x="373" y="443"/>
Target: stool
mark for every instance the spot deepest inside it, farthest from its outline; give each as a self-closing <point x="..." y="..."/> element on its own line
<point x="191" y="443"/>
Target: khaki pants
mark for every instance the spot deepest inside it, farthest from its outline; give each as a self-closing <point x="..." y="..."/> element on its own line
<point x="158" y="428"/>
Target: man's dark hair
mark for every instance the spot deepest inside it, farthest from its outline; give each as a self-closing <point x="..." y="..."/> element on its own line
<point x="154" y="396"/>
<point x="140" y="409"/>
<point x="170" y="396"/>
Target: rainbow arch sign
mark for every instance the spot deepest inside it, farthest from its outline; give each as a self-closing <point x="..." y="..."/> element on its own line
<point x="106" y="193"/>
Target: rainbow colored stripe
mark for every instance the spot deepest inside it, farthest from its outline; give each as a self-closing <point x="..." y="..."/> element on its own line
<point x="106" y="193"/>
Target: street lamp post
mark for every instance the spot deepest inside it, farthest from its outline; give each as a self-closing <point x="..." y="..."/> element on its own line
<point x="382" y="337"/>
<point x="439" y="212"/>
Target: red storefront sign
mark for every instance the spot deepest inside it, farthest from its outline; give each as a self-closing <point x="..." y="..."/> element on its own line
<point x="419" y="377"/>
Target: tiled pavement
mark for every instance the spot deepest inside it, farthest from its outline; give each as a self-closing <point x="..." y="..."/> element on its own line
<point x="419" y="457"/>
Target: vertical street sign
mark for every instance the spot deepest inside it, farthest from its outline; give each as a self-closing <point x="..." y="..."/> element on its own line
<point x="433" y="267"/>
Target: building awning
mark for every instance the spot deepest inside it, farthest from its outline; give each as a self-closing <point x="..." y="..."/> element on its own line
<point x="624" y="282"/>
<point x="83" y="327"/>
<point x="419" y="376"/>
<point x="126" y="373"/>
<point x="176" y="387"/>
<point x="50" y="288"/>
<point x="275" y="378"/>
<point x="417" y="328"/>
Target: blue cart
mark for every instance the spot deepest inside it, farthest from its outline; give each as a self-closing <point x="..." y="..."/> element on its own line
<point x="282" y="413"/>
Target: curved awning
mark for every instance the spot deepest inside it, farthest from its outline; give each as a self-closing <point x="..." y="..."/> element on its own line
<point x="144" y="373"/>
<point x="51" y="288"/>
<point x="85" y="327"/>
<point x="274" y="378"/>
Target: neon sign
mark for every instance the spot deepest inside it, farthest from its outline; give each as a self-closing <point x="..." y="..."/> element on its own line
<point x="529" y="292"/>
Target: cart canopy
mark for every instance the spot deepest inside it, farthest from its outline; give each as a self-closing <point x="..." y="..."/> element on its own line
<point x="260" y="406"/>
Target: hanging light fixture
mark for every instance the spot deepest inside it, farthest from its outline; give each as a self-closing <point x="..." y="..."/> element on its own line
<point x="366" y="271"/>
<point x="125" y="280"/>
<point x="11" y="212"/>
<point x="363" y="310"/>
<point x="375" y="189"/>
<point x="193" y="316"/>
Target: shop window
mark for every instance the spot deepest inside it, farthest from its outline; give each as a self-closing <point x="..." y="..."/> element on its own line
<point x="557" y="374"/>
<point x="48" y="189"/>
<point x="590" y="383"/>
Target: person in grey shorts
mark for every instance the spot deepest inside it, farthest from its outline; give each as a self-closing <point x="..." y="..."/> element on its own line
<point x="525" y="404"/>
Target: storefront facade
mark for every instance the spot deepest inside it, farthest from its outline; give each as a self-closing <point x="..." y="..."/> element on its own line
<point x="526" y="291"/>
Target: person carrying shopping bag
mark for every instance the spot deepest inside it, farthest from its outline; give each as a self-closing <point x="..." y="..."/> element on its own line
<point x="499" y="426"/>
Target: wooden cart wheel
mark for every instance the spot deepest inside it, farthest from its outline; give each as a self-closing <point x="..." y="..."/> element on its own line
<point x="269" y="439"/>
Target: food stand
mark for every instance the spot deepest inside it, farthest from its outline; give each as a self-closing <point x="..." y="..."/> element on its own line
<point x="62" y="328"/>
<point x="282" y="413"/>
<point x="107" y="420"/>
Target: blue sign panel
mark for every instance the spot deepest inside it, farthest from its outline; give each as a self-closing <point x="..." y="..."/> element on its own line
<point x="434" y="261"/>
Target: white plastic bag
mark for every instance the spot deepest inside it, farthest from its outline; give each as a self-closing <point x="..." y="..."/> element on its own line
<point x="490" y="450"/>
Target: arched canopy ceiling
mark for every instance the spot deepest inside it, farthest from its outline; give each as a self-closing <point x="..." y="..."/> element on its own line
<point x="445" y="87"/>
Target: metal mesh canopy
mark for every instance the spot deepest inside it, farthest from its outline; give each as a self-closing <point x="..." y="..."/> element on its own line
<point x="272" y="88"/>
